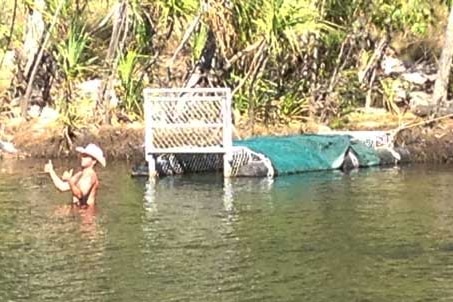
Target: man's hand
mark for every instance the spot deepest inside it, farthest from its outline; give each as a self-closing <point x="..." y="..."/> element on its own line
<point x="66" y="175"/>
<point x="48" y="167"/>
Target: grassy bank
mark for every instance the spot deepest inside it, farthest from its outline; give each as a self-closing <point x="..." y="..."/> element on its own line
<point x="284" y="60"/>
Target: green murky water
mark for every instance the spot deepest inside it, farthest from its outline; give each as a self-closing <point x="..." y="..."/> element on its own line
<point x="373" y="235"/>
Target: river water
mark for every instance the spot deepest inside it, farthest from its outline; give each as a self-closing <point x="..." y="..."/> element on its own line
<point x="371" y="235"/>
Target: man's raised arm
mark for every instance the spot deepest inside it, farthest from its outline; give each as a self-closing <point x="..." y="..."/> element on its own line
<point x="58" y="182"/>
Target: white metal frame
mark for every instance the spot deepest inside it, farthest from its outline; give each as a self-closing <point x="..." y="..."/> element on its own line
<point x="154" y="96"/>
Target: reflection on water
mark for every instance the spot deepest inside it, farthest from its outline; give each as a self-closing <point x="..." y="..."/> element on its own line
<point x="371" y="235"/>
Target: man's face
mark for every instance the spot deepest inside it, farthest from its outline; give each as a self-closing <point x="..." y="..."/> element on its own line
<point x="86" y="161"/>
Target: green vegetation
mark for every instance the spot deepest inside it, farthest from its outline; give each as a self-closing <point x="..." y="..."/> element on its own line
<point x="284" y="59"/>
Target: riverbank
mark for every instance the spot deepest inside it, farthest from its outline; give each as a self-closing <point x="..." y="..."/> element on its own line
<point x="428" y="143"/>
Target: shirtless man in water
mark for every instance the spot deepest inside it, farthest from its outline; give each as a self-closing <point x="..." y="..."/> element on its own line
<point x="83" y="184"/>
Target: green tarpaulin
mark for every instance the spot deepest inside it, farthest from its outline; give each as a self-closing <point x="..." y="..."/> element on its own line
<point x="301" y="153"/>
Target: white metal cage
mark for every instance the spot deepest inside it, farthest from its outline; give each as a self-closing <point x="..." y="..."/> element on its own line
<point x="188" y="121"/>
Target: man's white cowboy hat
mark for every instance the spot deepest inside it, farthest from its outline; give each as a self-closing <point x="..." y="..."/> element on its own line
<point x="93" y="151"/>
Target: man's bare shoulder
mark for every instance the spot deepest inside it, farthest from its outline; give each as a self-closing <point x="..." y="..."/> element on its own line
<point x="89" y="175"/>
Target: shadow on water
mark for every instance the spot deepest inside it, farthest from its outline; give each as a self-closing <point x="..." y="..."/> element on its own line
<point x="371" y="235"/>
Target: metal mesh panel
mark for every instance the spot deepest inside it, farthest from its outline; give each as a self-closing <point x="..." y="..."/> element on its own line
<point x="201" y="162"/>
<point x="170" y="138"/>
<point x="172" y="164"/>
<point x="195" y="120"/>
<point x="241" y="157"/>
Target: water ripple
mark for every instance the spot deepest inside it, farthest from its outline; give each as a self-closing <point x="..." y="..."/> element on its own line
<point x="372" y="235"/>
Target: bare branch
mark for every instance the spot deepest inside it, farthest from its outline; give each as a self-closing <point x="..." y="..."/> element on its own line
<point x="253" y="68"/>
<point x="185" y="38"/>
<point x="243" y="52"/>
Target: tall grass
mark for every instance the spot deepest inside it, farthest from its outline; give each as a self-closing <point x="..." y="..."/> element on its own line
<point x="268" y="51"/>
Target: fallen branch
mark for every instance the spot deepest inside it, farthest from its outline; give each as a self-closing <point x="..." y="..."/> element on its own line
<point x="253" y="68"/>
<point x="185" y="38"/>
<point x="243" y="52"/>
<point x="394" y="132"/>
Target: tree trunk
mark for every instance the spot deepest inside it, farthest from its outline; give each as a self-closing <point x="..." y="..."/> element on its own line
<point x="441" y="84"/>
<point x="34" y="31"/>
<point x="114" y="52"/>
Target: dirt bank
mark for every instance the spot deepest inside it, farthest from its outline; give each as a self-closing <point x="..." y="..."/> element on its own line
<point x="118" y="142"/>
<point x="428" y="143"/>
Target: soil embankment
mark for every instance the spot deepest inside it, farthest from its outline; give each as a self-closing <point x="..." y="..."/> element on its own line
<point x="428" y="143"/>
